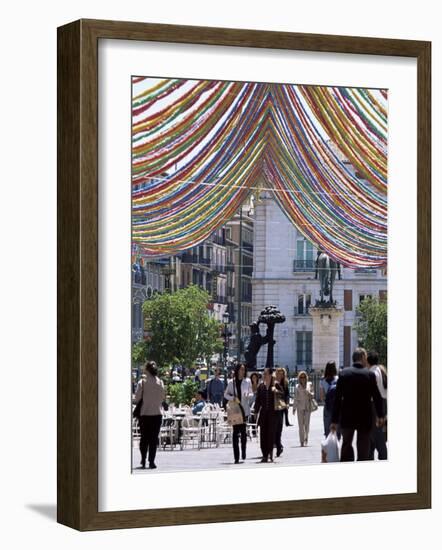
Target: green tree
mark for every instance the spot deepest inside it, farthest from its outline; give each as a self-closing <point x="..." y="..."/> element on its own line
<point x="139" y="353"/>
<point x="371" y="326"/>
<point x="180" y="327"/>
<point x="182" y="393"/>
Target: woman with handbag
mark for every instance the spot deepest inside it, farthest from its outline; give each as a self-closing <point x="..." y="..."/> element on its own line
<point x="267" y="414"/>
<point x="303" y="404"/>
<point x="281" y="406"/>
<point x="149" y="398"/>
<point x="238" y="394"/>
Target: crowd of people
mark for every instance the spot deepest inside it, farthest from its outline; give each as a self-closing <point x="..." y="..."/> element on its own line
<point x="355" y="400"/>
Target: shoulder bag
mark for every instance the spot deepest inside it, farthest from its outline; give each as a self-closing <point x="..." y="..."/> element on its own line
<point x="234" y="412"/>
<point x="137" y="411"/>
<point x="280" y="402"/>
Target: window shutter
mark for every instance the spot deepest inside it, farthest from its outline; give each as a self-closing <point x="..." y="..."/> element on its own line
<point x="348" y="299"/>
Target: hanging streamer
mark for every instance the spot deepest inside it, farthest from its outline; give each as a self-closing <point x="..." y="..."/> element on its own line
<point x="201" y="147"/>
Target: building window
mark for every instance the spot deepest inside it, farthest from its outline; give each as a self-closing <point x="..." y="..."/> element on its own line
<point x="347" y="346"/>
<point x="304" y="303"/>
<point x="304" y="255"/>
<point x="304" y="349"/>
<point x="348" y="299"/>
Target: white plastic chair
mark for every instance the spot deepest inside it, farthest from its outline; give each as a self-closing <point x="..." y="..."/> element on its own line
<point x="135" y="429"/>
<point x="190" y="432"/>
<point x="223" y="430"/>
<point x="168" y="433"/>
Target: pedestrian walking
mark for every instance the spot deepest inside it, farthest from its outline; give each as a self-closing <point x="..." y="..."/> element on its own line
<point x="377" y="438"/>
<point x="327" y="393"/>
<point x="267" y="416"/>
<point x="150" y="390"/>
<point x="356" y="391"/>
<point x="239" y="389"/>
<point x="197" y="375"/>
<point x="302" y="405"/>
<point x="283" y="399"/>
<point x="215" y="389"/>
<point x="255" y="379"/>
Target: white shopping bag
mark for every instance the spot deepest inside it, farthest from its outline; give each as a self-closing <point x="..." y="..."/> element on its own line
<point x="331" y="448"/>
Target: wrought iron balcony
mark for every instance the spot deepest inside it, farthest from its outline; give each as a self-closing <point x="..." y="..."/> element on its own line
<point x="220" y="269"/>
<point x="219" y="240"/>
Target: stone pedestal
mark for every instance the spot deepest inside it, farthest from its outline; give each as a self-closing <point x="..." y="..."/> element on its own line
<point x="325" y="344"/>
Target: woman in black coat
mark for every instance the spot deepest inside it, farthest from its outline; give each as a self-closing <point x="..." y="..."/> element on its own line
<point x="282" y="413"/>
<point x="267" y="414"/>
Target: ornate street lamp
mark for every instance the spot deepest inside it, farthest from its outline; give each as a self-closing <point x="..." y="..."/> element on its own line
<point x="227" y="334"/>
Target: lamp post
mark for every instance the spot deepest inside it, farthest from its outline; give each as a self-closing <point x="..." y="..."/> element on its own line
<point x="226" y="319"/>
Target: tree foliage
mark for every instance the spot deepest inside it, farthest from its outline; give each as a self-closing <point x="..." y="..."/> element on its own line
<point x="371" y="326"/>
<point x="182" y="393"/>
<point x="139" y="352"/>
<point x="180" y="327"/>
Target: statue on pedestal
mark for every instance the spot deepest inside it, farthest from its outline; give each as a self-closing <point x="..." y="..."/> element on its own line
<point x="326" y="269"/>
<point x="254" y="345"/>
<point x="270" y="315"/>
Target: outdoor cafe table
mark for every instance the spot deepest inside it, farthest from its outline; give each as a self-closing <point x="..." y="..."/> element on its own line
<point x="179" y="416"/>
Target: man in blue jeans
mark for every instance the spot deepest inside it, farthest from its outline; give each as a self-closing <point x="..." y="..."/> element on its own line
<point x="215" y="389"/>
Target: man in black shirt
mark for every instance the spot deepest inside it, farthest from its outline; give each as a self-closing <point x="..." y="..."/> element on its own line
<point x="356" y="391"/>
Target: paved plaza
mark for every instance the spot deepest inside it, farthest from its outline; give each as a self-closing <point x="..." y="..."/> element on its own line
<point x="222" y="457"/>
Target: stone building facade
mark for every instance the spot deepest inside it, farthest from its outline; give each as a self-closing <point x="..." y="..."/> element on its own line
<point x="284" y="275"/>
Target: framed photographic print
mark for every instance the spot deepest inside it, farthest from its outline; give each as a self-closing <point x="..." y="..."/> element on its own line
<point x="243" y="275"/>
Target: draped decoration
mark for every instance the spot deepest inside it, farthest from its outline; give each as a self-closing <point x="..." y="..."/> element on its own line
<point x="201" y="147"/>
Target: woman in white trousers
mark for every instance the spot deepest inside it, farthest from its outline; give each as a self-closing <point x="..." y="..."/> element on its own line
<point x="302" y="405"/>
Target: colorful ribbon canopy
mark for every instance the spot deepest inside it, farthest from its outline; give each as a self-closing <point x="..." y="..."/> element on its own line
<point x="201" y="147"/>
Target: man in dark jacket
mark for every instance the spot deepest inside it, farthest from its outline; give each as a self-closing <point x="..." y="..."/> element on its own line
<point x="356" y="391"/>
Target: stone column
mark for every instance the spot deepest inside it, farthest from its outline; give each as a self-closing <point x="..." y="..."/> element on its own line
<point x="325" y="344"/>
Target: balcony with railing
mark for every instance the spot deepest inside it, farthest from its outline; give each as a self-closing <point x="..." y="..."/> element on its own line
<point x="365" y="271"/>
<point x="220" y="269"/>
<point x="139" y="277"/>
<point x="248" y="247"/>
<point x="218" y="239"/>
<point x="303" y="266"/>
<point x="189" y="258"/>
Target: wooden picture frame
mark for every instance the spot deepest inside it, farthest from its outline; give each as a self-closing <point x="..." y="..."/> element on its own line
<point x="77" y="386"/>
